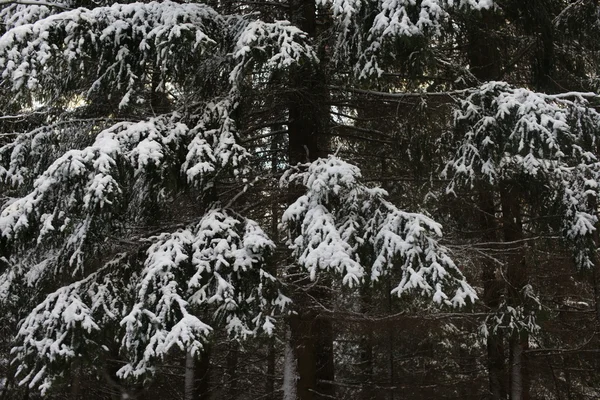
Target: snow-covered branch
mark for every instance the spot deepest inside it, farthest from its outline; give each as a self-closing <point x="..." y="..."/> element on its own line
<point x="341" y="225"/>
<point x="387" y="22"/>
<point x="507" y="134"/>
<point x="219" y="265"/>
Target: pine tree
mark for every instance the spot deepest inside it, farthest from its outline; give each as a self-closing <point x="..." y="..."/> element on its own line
<point x="120" y="231"/>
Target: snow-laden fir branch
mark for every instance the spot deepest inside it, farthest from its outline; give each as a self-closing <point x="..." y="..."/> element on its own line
<point x="27" y="156"/>
<point x="507" y="134"/>
<point x="124" y="39"/>
<point x="217" y="265"/>
<point x="214" y="270"/>
<point x="75" y="191"/>
<point x="74" y="321"/>
<point x="122" y="45"/>
<point x="81" y="191"/>
<point x="15" y="13"/>
<point x="514" y="319"/>
<point x="276" y="46"/>
<point x="387" y="21"/>
<point x="341" y="225"/>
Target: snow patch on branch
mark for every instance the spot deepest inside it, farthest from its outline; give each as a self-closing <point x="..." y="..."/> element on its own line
<point x="508" y="134"/>
<point x="342" y="226"/>
<point x="218" y="264"/>
<point x="393" y="20"/>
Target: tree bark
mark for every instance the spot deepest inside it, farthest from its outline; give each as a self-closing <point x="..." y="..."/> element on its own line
<point x="484" y="58"/>
<point x="232" y="363"/>
<point x="197" y="376"/>
<point x="492" y="289"/>
<point x="308" y="114"/>
<point x="189" y="376"/>
<point x="593" y="204"/>
<point x="270" y="384"/>
<point x="76" y="379"/>
<point x="516" y="368"/>
<point x="366" y="349"/>
<point x="290" y="373"/>
<point x="516" y="280"/>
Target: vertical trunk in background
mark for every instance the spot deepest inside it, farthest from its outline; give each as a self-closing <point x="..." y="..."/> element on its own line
<point x="270" y="384"/>
<point x="189" y="376"/>
<point x="390" y="307"/>
<point x="516" y="279"/>
<point x="593" y="205"/>
<point x="366" y="347"/>
<point x="232" y="364"/>
<point x="390" y="332"/>
<point x="596" y="268"/>
<point x="197" y="374"/>
<point x="484" y="58"/>
<point x="538" y="21"/>
<point x="492" y="289"/>
<point x="312" y="338"/>
<point x="306" y="114"/>
<point x="290" y="373"/>
<point x="76" y="379"/>
<point x="271" y="352"/>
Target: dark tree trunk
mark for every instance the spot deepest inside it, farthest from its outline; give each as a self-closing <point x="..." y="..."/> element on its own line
<point x="516" y="280"/>
<point x="232" y="364"/>
<point x="270" y="384"/>
<point x="484" y="48"/>
<point x="197" y="376"/>
<point x="366" y="349"/>
<point x="308" y="114"/>
<point x="484" y="57"/>
<point x="76" y="379"/>
<point x="271" y="352"/>
<point x="593" y="204"/>
<point x="492" y="290"/>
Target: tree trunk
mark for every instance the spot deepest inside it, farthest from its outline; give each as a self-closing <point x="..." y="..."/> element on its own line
<point x="516" y="368"/>
<point x="271" y="352"/>
<point x="76" y="379"/>
<point x="308" y="114"/>
<point x="492" y="289"/>
<point x="270" y="384"/>
<point x="391" y="348"/>
<point x="190" y="362"/>
<point x="232" y="363"/>
<point x="484" y="59"/>
<point x="290" y="373"/>
<point x="304" y="354"/>
<point x="197" y="374"/>
<point x="366" y="348"/>
<point x="593" y="204"/>
<point x="516" y="280"/>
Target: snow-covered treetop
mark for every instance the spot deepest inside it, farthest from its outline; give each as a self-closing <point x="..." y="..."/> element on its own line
<point x="341" y="225"/>
<point x="507" y="134"/>
<point x="393" y="19"/>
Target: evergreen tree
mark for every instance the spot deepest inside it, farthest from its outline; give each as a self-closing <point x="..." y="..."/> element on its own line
<point x="121" y="231"/>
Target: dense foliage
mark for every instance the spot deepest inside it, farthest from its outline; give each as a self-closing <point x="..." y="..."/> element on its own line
<point x="345" y="198"/>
